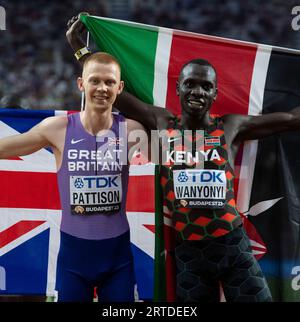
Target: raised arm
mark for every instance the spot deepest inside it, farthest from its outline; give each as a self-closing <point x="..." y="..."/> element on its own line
<point x="150" y="116"/>
<point x="74" y="33"/>
<point x="248" y="127"/>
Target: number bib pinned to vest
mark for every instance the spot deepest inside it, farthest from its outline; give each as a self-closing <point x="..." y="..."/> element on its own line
<point x="198" y="188"/>
<point x="95" y="194"/>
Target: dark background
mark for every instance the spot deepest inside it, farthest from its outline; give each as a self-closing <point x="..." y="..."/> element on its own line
<point x="38" y="69"/>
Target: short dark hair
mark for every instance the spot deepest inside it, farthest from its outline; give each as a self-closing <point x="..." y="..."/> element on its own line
<point x="198" y="61"/>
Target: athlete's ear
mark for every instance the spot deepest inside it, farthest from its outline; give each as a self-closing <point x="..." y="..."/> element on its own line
<point x="121" y="86"/>
<point x="80" y="84"/>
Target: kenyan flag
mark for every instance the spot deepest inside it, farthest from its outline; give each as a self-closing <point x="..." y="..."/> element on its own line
<point x="252" y="79"/>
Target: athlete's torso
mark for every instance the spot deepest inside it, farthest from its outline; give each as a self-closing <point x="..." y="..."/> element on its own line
<point x="93" y="180"/>
<point x="198" y="187"/>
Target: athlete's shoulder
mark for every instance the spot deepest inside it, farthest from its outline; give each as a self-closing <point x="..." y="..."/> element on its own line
<point x="236" y="123"/>
<point x="53" y="127"/>
<point x="55" y="122"/>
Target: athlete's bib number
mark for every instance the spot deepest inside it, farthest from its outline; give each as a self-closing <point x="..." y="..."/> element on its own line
<point x="95" y="194"/>
<point x="196" y="188"/>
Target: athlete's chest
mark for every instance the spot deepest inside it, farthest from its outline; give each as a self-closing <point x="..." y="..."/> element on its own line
<point x="195" y="166"/>
<point x="203" y="148"/>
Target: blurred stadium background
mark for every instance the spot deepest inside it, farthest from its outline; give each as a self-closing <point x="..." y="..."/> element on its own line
<point x="37" y="66"/>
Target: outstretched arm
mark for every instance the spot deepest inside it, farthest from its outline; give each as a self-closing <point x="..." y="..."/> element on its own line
<point x="23" y="144"/>
<point x="49" y="133"/>
<point x="255" y="127"/>
<point x="128" y="104"/>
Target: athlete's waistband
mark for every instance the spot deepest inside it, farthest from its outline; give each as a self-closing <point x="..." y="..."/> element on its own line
<point x="76" y="241"/>
<point x="224" y="239"/>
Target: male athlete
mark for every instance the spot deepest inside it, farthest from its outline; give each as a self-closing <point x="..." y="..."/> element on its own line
<point x="90" y="150"/>
<point x="212" y="246"/>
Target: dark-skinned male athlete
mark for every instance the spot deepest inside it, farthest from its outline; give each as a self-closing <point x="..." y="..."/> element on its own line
<point x="211" y="244"/>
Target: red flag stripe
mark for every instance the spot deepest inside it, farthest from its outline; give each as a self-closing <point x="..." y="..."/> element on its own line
<point x="29" y="190"/>
<point x="140" y="196"/>
<point x="17" y="230"/>
<point x="40" y="191"/>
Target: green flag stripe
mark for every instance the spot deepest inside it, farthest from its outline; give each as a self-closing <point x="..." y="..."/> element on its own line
<point x="135" y="48"/>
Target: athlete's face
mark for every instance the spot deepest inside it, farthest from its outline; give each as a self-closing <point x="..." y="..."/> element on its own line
<point x="197" y="89"/>
<point x="101" y="84"/>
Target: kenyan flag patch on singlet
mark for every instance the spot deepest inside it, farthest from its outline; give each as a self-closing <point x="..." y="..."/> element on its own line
<point x="91" y="195"/>
<point x="198" y="188"/>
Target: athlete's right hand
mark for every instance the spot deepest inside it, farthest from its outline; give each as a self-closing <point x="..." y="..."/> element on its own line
<point x="75" y="31"/>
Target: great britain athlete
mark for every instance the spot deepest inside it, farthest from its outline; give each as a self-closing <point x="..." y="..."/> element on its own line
<point x="212" y="246"/>
<point x="90" y="150"/>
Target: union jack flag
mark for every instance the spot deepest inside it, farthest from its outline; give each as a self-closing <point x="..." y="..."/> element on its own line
<point x="30" y="215"/>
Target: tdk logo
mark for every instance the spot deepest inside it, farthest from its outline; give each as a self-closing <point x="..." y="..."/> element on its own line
<point x="182" y="177"/>
<point x="202" y="177"/>
<point x="207" y="176"/>
<point x="78" y="183"/>
<point x="101" y="182"/>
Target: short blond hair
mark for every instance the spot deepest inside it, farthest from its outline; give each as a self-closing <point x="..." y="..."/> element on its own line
<point x="102" y="58"/>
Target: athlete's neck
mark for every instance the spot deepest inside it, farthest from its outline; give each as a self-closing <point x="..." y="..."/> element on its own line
<point x="195" y="122"/>
<point x="96" y="121"/>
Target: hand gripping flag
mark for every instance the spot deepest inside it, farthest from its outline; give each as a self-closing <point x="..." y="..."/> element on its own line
<point x="252" y="79"/>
